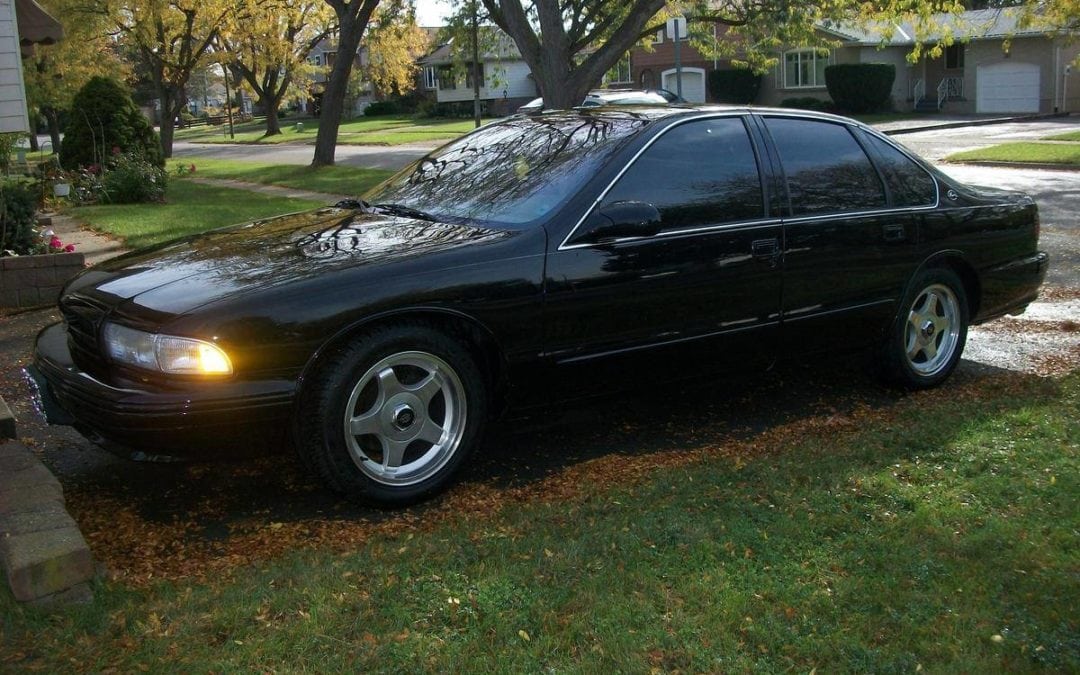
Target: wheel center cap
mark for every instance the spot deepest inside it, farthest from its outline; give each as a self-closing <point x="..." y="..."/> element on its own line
<point x="404" y="416"/>
<point x="928" y="329"/>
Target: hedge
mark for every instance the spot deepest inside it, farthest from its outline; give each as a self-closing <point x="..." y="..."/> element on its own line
<point x="735" y="85"/>
<point x="105" y="122"/>
<point x="860" y="87"/>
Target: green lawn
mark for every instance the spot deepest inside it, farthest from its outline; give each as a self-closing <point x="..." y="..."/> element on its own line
<point x="190" y="208"/>
<point x="1039" y="153"/>
<point x="937" y="533"/>
<point x="382" y="130"/>
<point x="342" y="180"/>
<point x="1068" y="136"/>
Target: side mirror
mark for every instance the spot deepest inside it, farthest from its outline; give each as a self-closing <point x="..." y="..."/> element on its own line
<point x="623" y="219"/>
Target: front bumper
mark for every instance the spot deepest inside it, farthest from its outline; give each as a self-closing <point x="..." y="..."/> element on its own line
<point x="205" y="418"/>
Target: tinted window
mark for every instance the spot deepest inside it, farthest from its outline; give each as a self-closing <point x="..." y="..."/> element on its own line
<point x="909" y="184"/>
<point x="511" y="172"/>
<point x="826" y="169"/>
<point x="697" y="174"/>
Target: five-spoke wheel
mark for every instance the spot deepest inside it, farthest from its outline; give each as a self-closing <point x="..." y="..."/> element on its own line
<point x="390" y="416"/>
<point x="928" y="337"/>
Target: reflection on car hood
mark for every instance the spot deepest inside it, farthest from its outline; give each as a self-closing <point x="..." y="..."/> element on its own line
<point x="182" y="275"/>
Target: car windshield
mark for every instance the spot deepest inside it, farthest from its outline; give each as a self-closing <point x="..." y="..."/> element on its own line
<point x="509" y="173"/>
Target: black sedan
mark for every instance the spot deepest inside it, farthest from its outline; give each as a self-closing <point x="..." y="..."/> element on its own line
<point x="542" y="257"/>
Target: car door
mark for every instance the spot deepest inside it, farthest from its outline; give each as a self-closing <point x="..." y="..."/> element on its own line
<point x="703" y="292"/>
<point x="847" y="253"/>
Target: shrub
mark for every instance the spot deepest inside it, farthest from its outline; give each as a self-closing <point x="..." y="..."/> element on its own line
<point x="860" y="87"/>
<point x="132" y="179"/>
<point x="382" y="108"/>
<point x="18" y="224"/>
<point x="735" y="85"/>
<point x="104" y="117"/>
<point x="806" y="103"/>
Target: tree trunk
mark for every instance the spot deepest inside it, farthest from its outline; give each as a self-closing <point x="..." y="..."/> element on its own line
<point x="171" y="105"/>
<point x="52" y="118"/>
<point x="33" y="140"/>
<point x="333" y="100"/>
<point x="273" y="125"/>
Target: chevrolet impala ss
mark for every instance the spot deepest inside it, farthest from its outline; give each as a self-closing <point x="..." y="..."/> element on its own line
<point x="539" y="257"/>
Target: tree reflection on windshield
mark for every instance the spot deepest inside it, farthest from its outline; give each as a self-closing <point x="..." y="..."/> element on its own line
<point x="511" y="172"/>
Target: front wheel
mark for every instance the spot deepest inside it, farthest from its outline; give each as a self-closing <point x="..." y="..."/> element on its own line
<point x="391" y="417"/>
<point x="928" y="336"/>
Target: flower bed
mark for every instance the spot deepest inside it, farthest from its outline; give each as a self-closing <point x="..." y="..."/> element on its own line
<point x="34" y="280"/>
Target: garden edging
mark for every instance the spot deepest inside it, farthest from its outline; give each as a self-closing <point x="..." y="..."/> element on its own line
<point x="35" y="280"/>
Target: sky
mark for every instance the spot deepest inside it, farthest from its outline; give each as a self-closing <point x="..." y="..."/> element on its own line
<point x="431" y="12"/>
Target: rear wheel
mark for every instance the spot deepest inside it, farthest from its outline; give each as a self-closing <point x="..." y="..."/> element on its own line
<point x="391" y="417"/>
<point x="929" y="334"/>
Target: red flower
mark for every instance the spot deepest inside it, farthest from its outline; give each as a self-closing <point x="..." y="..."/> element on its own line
<point x="70" y="248"/>
<point x="192" y="168"/>
<point x="93" y="169"/>
<point x="56" y="243"/>
<point x="116" y="149"/>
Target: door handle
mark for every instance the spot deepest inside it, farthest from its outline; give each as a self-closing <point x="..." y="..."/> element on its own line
<point x="894" y="232"/>
<point x="766" y="250"/>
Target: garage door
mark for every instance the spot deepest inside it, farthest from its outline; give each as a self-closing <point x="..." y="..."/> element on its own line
<point x="1007" y="87"/>
<point x="693" y="83"/>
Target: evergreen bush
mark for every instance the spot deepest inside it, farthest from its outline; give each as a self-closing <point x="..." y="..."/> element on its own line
<point x="103" y="122"/>
<point x="860" y="87"/>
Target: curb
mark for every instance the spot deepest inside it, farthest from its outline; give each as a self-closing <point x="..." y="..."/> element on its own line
<point x="976" y="123"/>
<point x="43" y="554"/>
<point x="1012" y="165"/>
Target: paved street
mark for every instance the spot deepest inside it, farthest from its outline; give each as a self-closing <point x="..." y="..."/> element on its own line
<point x="934" y="145"/>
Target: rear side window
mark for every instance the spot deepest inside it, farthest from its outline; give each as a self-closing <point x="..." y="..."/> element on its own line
<point x="909" y="184"/>
<point x="826" y="169"/>
<point x="698" y="174"/>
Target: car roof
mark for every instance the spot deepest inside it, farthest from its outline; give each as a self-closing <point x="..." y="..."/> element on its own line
<point x="659" y="112"/>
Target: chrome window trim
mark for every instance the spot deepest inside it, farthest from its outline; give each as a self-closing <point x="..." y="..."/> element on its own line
<point x="604" y="193"/>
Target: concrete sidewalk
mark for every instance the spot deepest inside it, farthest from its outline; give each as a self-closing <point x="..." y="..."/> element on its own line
<point x="94" y="245"/>
<point x="273" y="190"/>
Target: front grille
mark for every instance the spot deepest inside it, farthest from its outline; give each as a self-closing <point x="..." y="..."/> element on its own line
<point x="83" y="319"/>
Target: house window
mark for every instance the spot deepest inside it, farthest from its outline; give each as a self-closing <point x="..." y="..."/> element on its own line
<point x="620" y="72"/>
<point x="430" y="80"/>
<point x="954" y="56"/>
<point x="804" y="68"/>
<point x="659" y="39"/>
<point x="318" y="60"/>
<point x="446" y="78"/>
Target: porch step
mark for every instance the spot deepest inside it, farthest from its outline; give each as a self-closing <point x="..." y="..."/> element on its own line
<point x="927" y="106"/>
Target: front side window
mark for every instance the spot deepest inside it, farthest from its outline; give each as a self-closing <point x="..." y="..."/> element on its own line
<point x="804" y="68"/>
<point x="698" y="174"/>
<point x="509" y="173"/>
<point x="826" y="169"/>
<point x="909" y="184"/>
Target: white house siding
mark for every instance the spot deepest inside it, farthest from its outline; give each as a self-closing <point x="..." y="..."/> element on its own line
<point x="12" y="93"/>
<point x="502" y="79"/>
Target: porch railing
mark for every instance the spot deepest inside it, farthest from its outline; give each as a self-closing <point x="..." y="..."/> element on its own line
<point x="918" y="92"/>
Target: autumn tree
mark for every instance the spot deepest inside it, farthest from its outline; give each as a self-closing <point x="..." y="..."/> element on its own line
<point x="53" y="74"/>
<point x="269" y="47"/>
<point x="171" y="39"/>
<point x="394" y="42"/>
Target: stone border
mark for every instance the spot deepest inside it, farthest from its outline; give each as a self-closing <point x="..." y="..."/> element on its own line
<point x="34" y="280"/>
<point x="44" y="556"/>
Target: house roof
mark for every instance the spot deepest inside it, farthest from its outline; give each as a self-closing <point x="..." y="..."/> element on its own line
<point x="36" y="26"/>
<point x="978" y="24"/>
<point x="496" y="46"/>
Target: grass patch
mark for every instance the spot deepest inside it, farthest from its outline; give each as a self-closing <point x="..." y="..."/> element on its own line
<point x="937" y="532"/>
<point x="1036" y="153"/>
<point x="382" y="130"/>
<point x="1068" y="136"/>
<point x="342" y="180"/>
<point x="190" y="208"/>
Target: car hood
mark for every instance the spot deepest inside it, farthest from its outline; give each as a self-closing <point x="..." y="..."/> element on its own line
<point x="181" y="275"/>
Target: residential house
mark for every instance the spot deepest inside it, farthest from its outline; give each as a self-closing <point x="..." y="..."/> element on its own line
<point x="977" y="74"/>
<point x="505" y="79"/>
<point x="23" y="24"/>
<point x="654" y="68"/>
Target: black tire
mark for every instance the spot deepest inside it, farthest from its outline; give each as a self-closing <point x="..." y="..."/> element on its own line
<point x="925" y="343"/>
<point x="384" y="458"/>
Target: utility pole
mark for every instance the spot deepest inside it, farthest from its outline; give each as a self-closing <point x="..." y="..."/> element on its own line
<point x="228" y="100"/>
<point x="678" y="54"/>
<point x="476" y="62"/>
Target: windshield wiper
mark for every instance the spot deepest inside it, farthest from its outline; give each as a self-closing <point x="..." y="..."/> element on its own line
<point x="402" y="210"/>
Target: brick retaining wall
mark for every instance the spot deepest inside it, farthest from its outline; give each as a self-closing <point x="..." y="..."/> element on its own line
<point x="34" y="280"/>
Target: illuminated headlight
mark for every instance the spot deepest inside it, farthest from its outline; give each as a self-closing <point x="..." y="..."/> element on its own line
<point x="164" y="353"/>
